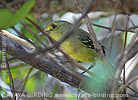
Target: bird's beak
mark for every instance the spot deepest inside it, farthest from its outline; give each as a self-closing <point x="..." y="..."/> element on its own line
<point x="41" y="34"/>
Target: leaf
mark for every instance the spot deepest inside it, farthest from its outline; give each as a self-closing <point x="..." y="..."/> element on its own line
<point x="8" y="19"/>
<point x="31" y="85"/>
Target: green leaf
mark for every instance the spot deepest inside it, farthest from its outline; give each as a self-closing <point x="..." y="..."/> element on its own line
<point x="8" y="19"/>
<point x="129" y="36"/>
<point x="30" y="85"/>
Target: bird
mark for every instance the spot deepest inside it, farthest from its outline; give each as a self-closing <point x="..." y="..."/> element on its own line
<point x="78" y="45"/>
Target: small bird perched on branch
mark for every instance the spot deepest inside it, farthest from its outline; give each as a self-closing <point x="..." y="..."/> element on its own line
<point x="78" y="45"/>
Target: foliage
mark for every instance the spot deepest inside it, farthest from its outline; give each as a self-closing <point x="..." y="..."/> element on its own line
<point x="8" y="19"/>
<point x="37" y="80"/>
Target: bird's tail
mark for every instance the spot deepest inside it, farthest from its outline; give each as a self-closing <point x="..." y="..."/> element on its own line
<point x="103" y="75"/>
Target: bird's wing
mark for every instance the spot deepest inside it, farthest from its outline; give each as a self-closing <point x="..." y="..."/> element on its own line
<point x="84" y="37"/>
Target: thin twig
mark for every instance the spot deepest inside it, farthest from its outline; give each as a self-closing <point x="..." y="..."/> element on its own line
<point x="108" y="36"/>
<point x="127" y="84"/>
<point x="130" y="65"/>
<point x="104" y="37"/>
<point x="109" y="28"/>
<point x="59" y="48"/>
<point x="72" y="61"/>
<point x="26" y="78"/>
<point x="9" y="59"/>
<point x="22" y="35"/>
<point x="84" y="13"/>
<point x="88" y="23"/>
<point x="38" y="28"/>
<point x="10" y="76"/>
<point x="133" y="96"/>
<point x="112" y="36"/>
<point x="131" y="53"/>
<point x="14" y="65"/>
<point x="47" y="65"/>
<point x="132" y="22"/>
<point x="123" y="60"/>
<point x="28" y="28"/>
<point x="133" y="90"/>
<point x="31" y="75"/>
<point x="127" y="25"/>
<point x="18" y="40"/>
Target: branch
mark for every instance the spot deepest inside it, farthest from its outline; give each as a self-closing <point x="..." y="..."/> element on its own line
<point x="55" y="44"/>
<point x="127" y="84"/>
<point x="13" y="65"/>
<point x="131" y="53"/>
<point x="18" y="51"/>
<point x="123" y="61"/>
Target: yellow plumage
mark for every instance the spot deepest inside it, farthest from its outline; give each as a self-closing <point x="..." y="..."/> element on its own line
<point x="78" y="51"/>
<point x="79" y="45"/>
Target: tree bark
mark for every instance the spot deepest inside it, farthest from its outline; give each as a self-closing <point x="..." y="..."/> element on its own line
<point x="50" y="67"/>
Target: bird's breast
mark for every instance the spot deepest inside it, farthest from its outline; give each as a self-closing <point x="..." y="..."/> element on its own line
<point x="78" y="51"/>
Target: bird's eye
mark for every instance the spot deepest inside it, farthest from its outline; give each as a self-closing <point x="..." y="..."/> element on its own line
<point x="54" y="26"/>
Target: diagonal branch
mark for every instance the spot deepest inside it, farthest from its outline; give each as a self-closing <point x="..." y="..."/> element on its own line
<point x="18" y="51"/>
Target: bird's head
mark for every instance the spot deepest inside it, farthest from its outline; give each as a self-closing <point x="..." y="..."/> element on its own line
<point x="57" y="29"/>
